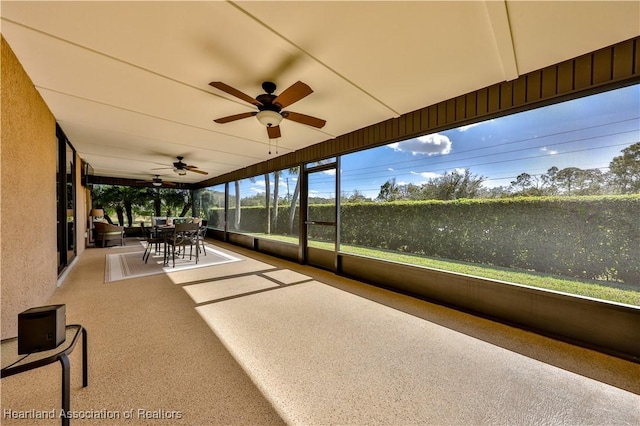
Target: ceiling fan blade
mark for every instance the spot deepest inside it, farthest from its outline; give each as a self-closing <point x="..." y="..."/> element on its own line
<point x="304" y="119"/>
<point x="293" y="93"/>
<point x="195" y="170"/>
<point x="235" y="92"/>
<point x="168" y="183"/>
<point x="235" y="117"/>
<point x="273" y="132"/>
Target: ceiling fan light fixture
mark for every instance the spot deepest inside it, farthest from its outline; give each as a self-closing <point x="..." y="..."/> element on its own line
<point x="156" y="183"/>
<point x="269" y="118"/>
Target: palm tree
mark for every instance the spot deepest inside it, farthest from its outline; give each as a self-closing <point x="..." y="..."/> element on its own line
<point x="294" y="198"/>
<point x="267" y="198"/>
<point x="177" y="199"/>
<point x="108" y="197"/>
<point x="276" y="190"/>
<point x="133" y="196"/>
<point x="157" y="201"/>
<point x="236" y="222"/>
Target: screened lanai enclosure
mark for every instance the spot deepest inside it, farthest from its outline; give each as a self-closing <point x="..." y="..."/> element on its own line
<point x="518" y="202"/>
<point x="548" y="198"/>
<point x="527" y="216"/>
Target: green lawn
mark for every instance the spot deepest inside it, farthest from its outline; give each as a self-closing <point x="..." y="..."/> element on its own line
<point x="605" y="290"/>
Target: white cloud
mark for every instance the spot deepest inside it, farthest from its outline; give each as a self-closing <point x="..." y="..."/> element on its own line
<point x="330" y="172"/>
<point x="427" y="175"/>
<point x="432" y="144"/>
<point x="263" y="184"/>
<point x="548" y="151"/>
<point x="467" y="127"/>
<point x="390" y="169"/>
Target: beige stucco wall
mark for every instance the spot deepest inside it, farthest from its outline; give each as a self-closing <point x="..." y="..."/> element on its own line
<point x="28" y="262"/>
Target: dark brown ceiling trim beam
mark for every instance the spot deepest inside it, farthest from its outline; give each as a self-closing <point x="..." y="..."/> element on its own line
<point x="605" y="69"/>
<point x="105" y="180"/>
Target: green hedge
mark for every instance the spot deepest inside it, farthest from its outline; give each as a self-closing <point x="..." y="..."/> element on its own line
<point x="586" y="237"/>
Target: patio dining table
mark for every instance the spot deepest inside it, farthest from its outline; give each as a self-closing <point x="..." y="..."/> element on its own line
<point x="161" y="229"/>
<point x="156" y="236"/>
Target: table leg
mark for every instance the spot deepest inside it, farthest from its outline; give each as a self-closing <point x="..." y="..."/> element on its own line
<point x="66" y="389"/>
<point x="85" y="372"/>
<point x="165" y="256"/>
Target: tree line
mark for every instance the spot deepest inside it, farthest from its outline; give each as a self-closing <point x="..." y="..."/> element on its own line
<point x="128" y="201"/>
<point x="623" y="177"/>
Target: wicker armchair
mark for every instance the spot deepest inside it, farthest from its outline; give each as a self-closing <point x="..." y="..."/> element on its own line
<point x="106" y="232"/>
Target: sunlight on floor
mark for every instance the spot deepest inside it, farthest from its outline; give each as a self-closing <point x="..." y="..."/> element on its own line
<point x="324" y="356"/>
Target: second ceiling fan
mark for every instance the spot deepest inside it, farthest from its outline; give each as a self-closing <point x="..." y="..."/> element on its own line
<point x="270" y="106"/>
<point x="181" y="168"/>
<point x="157" y="181"/>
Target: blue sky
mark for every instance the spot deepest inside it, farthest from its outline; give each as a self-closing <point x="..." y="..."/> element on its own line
<point x="585" y="133"/>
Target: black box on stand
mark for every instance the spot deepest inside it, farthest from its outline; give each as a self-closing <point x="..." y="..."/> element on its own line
<point x="41" y="328"/>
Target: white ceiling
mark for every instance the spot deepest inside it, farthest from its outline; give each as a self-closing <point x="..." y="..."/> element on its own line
<point x="129" y="81"/>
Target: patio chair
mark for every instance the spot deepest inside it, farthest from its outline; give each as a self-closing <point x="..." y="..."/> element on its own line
<point x="202" y="234"/>
<point x="152" y="238"/>
<point x="158" y="221"/>
<point x="184" y="235"/>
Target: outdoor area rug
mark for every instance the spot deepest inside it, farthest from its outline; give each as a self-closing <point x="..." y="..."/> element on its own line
<point x="123" y="266"/>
